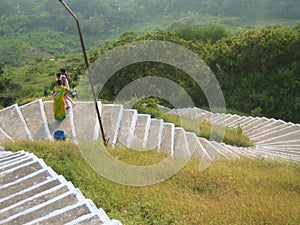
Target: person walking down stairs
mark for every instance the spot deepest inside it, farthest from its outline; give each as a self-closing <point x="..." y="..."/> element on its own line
<point x="65" y="81"/>
<point x="59" y="109"/>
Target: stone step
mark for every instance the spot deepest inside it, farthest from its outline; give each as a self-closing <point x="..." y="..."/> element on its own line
<point x="111" y="115"/>
<point x="276" y="154"/>
<point x="272" y="126"/>
<point x="85" y="119"/>
<point x="4" y="136"/>
<point x="33" y="201"/>
<point x="13" y="123"/>
<point x="243" y="123"/>
<point x="205" y="116"/>
<point x="88" y="219"/>
<point x="231" y="119"/>
<point x="67" y="124"/>
<point x="75" y="214"/>
<point x="283" y="142"/>
<point x="8" y="156"/>
<point x="134" y="136"/>
<point x="284" y="146"/>
<point x="92" y="219"/>
<point x="228" y="153"/>
<point x="6" y="161"/>
<point x="181" y="146"/>
<point x="270" y="153"/>
<point x="16" y="162"/>
<point x="43" y="209"/>
<point x="254" y="125"/>
<point x="294" y="135"/>
<point x="220" y="119"/>
<point x="64" y="215"/>
<point x="234" y="150"/>
<point x="154" y="134"/>
<point x="211" y="150"/>
<point x="248" y="152"/>
<point x="141" y="131"/>
<point x="283" y="132"/>
<point x="196" y="149"/>
<point x="291" y="152"/>
<point x="21" y="171"/>
<point x="11" y="188"/>
<point x="37" y="123"/>
<point x="256" y="153"/>
<point x="32" y="193"/>
<point x="128" y="122"/>
<point x="167" y="139"/>
<point x="193" y="113"/>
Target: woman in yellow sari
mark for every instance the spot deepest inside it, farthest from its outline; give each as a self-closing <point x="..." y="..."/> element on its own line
<point x="59" y="109"/>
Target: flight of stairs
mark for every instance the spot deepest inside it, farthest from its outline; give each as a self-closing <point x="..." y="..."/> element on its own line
<point x="273" y="139"/>
<point x="32" y="193"/>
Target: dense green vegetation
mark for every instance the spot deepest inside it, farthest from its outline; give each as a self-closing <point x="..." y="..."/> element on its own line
<point x="228" y="192"/>
<point x="256" y="65"/>
<point x="30" y="81"/>
<point x="45" y="26"/>
<point x="258" y="70"/>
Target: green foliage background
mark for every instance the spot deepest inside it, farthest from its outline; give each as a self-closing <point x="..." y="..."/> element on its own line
<point x="251" y="46"/>
<point x="258" y="70"/>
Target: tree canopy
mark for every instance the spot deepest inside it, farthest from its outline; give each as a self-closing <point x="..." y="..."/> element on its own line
<point x="258" y="70"/>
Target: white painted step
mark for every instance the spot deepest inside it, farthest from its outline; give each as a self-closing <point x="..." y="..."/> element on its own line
<point x="13" y="123"/>
<point x="286" y="131"/>
<point x="67" y="124"/>
<point x="127" y="126"/>
<point x="4" y="136"/>
<point x="272" y="126"/>
<point x="211" y="150"/>
<point x="181" y="146"/>
<point x="254" y="125"/>
<point x="111" y="115"/>
<point x="228" y="153"/>
<point x="154" y="134"/>
<point x="32" y="193"/>
<point x="85" y="119"/>
<point x="29" y="192"/>
<point x="197" y="151"/>
<point x="36" y="120"/>
<point x="167" y="139"/>
<point x="141" y="132"/>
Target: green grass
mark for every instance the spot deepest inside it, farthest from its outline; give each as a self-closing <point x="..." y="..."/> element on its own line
<point x="228" y="192"/>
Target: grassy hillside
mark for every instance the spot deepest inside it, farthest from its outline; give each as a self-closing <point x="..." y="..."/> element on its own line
<point x="228" y="192"/>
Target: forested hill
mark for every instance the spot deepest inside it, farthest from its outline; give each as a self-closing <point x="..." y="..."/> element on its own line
<point x="34" y="27"/>
<point x="251" y="46"/>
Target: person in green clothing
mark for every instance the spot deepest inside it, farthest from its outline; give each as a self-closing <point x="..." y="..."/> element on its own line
<point x="59" y="91"/>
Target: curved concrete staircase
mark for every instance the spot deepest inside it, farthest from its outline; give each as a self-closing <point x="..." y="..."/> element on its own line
<point x="32" y="193"/>
<point x="273" y="139"/>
